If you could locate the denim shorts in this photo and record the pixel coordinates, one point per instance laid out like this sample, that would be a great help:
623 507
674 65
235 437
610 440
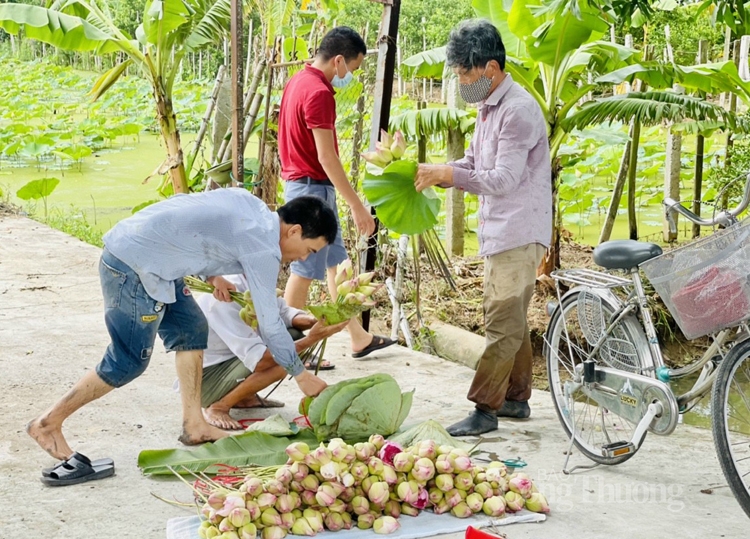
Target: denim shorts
314 267
133 319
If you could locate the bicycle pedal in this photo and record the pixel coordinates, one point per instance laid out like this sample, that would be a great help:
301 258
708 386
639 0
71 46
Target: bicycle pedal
617 449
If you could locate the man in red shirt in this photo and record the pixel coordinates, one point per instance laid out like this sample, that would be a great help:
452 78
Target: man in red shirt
310 165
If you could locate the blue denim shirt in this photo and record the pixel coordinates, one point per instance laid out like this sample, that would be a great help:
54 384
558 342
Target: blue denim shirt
220 232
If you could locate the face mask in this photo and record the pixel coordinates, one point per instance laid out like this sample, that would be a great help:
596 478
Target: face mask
339 82
477 90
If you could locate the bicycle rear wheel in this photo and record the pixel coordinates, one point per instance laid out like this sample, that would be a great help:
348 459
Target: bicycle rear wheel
580 319
730 408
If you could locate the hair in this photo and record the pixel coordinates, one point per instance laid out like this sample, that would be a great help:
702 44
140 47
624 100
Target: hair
474 43
344 41
315 217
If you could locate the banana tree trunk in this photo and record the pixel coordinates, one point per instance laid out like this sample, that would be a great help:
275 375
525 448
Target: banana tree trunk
168 125
551 260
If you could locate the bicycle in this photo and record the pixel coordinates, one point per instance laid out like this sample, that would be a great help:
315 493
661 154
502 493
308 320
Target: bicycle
606 368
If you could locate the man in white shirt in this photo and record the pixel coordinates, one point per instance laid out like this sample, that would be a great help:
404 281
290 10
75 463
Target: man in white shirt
237 364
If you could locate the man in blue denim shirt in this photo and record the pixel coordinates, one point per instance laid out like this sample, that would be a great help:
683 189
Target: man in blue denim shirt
142 266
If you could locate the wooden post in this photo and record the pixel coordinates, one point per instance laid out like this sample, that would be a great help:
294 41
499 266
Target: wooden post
672 178
238 164
699 145
455 209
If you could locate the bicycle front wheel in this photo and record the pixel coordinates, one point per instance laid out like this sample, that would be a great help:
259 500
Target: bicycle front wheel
730 407
574 328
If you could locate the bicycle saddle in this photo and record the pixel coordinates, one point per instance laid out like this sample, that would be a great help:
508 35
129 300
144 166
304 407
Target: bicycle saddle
624 254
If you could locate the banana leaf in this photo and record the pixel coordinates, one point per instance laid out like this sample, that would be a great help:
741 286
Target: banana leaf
335 313
248 449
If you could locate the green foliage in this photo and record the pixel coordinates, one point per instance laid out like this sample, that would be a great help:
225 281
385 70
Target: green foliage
731 176
74 222
36 189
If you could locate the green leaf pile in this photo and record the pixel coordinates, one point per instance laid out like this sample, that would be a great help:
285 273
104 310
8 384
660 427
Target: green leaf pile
356 409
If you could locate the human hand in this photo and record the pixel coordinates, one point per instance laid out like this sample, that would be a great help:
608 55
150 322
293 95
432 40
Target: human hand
431 175
303 321
310 384
363 220
222 287
320 331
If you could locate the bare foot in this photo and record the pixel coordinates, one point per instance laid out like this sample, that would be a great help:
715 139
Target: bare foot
219 417
200 434
256 402
49 437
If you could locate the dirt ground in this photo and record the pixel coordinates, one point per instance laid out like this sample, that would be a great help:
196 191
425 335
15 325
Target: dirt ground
51 332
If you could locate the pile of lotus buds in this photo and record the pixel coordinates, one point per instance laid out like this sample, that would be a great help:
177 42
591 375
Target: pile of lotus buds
369 485
388 149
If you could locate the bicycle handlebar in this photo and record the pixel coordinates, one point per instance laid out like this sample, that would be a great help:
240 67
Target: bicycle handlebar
723 218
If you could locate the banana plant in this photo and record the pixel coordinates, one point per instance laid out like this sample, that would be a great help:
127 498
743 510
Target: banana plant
170 29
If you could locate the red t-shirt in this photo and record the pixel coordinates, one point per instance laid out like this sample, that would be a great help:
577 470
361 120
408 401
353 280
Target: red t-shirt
307 104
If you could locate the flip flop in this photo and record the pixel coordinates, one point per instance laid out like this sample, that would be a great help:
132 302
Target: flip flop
312 365
378 343
97 462
77 469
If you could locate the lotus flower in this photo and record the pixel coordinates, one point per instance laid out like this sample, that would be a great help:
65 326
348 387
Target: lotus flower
284 503
308 497
273 532
444 482
520 485
217 497
378 493
330 471
389 451
209 531
347 287
460 463
348 480
232 501
423 470
493 475
248 531
475 501
287 520
494 506
463 481
453 497
443 465
334 522
325 495
409 510
375 466
302 527
514 501
239 516
461 510
398 146
484 489
364 279
389 475
442 507
270 517
229 535
422 498
226 525
385 525
314 518
435 495
408 492
275 487
297 451
377 440
338 506
377 158
347 518
385 138
392 508
322 455
368 482
403 462
299 471
427 449
253 508
365 522
445 450
284 475
537 503
360 505
359 471
344 271
310 483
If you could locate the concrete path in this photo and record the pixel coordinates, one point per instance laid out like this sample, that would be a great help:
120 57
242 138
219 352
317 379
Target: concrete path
51 332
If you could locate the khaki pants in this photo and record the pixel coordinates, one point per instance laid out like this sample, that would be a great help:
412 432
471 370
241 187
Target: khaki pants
504 370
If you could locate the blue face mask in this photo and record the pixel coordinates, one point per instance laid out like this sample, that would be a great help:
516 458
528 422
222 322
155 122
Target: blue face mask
339 82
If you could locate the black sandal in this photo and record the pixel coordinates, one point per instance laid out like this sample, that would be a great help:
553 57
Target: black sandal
77 469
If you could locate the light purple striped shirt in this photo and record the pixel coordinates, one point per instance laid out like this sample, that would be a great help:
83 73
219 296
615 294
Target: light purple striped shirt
508 165
220 232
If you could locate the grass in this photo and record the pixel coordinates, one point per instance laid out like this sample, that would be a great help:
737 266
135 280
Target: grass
72 221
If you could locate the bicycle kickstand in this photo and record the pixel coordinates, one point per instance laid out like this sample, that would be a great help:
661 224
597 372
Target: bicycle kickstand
569 452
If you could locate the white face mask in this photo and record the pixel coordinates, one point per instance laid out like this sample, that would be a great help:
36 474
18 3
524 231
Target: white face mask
340 82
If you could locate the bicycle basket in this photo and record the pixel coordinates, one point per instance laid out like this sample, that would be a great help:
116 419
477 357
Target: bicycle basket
705 284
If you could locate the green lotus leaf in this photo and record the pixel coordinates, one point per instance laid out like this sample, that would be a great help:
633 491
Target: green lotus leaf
399 206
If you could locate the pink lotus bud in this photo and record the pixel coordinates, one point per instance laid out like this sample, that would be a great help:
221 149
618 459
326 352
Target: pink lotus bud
460 463
520 485
392 508
254 486
389 475
442 507
484 490
330 471
443 465
345 288
445 449
537 503
365 522
360 505
398 146
338 447
377 440
334 521
296 486
302 527
444 482
389 451
299 471
385 525
423 470
427 449
463 481
295 499
322 455
479 477
514 501
408 492
378 493
435 495
270 517
284 475
347 519
377 158
409 510
217 497
475 501
338 488
496 465
347 480
248 531
348 495
273 532
344 271
232 501
359 470
226 525
461 510
308 497
297 451
422 498
314 518
338 506
385 138
403 462
367 291
368 482
375 466
284 503
494 506
453 497
364 451
275 487
239 516
351 299
287 520
325 495
310 483
365 279
209 532
253 508
266 500
493 474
